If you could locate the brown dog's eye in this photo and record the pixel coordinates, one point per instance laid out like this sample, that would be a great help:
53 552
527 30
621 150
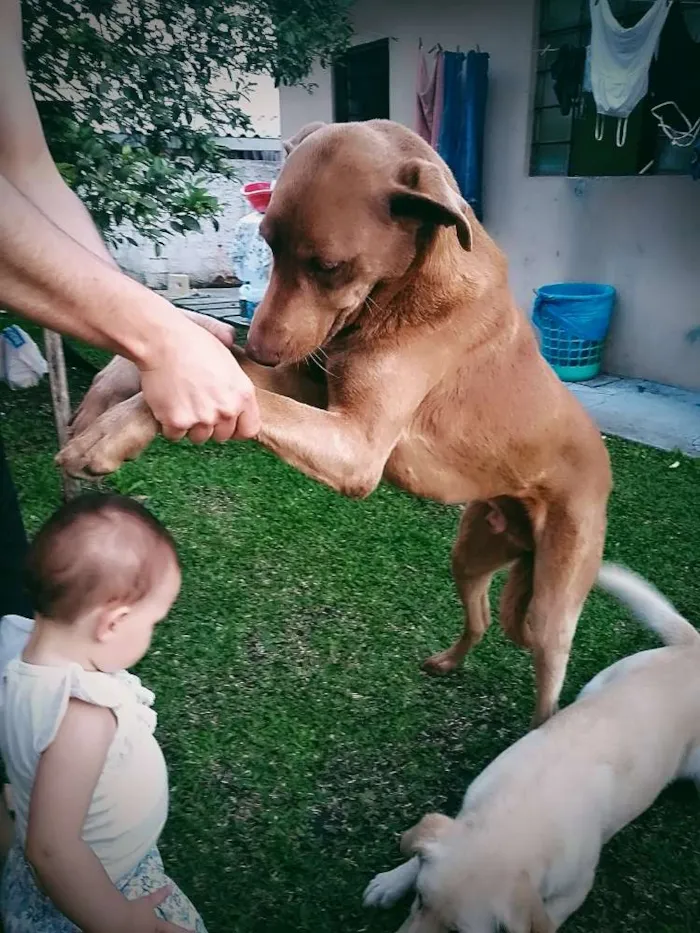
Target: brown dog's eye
318 265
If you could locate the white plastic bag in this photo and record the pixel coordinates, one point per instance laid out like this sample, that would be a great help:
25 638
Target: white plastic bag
21 362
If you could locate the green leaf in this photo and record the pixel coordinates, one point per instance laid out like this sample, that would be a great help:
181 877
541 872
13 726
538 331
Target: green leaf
156 71
191 223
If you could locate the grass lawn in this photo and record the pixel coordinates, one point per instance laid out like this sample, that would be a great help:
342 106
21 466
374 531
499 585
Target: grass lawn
301 736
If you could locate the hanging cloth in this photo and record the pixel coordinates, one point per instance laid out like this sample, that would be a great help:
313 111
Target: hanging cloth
675 81
620 60
567 77
461 142
429 97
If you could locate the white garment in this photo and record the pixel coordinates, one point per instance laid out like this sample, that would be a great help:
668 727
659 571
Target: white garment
620 58
130 804
14 635
251 258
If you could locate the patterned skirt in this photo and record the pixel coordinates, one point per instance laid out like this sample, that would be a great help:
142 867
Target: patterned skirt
25 909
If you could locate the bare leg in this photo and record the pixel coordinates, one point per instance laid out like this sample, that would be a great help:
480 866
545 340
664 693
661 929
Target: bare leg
7 824
479 551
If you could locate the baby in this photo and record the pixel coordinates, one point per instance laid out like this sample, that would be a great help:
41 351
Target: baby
89 782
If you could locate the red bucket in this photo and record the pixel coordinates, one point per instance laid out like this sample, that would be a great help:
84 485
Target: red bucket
257 194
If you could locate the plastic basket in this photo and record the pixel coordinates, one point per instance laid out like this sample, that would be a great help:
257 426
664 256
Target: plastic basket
573 320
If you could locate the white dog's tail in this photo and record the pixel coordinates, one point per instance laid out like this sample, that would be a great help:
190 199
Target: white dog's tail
648 605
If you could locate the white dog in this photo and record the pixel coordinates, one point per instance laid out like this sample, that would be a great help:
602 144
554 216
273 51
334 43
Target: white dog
521 855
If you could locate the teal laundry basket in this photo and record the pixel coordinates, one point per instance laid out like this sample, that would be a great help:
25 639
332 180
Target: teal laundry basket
573 319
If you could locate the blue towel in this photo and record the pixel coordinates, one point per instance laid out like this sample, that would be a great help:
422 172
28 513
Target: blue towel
461 142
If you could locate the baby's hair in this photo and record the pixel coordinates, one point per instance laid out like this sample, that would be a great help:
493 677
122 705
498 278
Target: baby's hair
96 550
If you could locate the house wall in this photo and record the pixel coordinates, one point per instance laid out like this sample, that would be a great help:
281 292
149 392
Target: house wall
640 234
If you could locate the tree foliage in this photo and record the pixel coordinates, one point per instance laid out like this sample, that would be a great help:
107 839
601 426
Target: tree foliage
133 94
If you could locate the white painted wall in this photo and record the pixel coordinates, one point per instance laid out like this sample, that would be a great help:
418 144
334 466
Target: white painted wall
641 235
203 256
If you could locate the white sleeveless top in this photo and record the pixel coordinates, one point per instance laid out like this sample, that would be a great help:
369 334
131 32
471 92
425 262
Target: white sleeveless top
130 804
620 58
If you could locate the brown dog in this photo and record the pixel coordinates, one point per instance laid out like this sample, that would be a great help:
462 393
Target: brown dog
386 286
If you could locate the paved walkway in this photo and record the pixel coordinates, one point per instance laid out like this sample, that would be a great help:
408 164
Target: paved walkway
647 412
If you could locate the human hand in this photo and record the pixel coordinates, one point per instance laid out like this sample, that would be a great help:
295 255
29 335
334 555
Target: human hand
223 332
194 386
140 915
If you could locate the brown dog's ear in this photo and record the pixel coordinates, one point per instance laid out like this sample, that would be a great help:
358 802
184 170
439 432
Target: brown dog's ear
416 840
424 193
290 144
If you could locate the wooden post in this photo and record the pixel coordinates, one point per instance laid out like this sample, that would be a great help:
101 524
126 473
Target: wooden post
60 399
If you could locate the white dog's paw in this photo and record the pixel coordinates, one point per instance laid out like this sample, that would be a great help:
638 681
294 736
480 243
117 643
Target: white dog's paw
386 888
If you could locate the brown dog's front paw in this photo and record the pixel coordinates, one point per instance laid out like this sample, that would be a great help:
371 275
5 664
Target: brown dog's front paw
90 455
92 406
118 381
120 434
440 664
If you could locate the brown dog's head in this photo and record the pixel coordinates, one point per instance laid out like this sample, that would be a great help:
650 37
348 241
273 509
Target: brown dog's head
351 208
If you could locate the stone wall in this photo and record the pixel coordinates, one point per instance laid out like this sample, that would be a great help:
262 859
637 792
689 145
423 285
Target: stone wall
203 256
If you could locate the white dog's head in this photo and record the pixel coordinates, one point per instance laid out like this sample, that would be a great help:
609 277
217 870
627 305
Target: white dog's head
465 884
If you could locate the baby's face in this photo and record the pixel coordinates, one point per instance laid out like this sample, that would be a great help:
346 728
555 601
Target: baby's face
133 631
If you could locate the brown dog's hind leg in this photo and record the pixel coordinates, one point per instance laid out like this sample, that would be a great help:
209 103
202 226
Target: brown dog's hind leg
120 433
484 544
568 552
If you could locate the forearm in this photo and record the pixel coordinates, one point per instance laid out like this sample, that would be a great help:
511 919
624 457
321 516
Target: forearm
75 881
48 278
42 184
25 160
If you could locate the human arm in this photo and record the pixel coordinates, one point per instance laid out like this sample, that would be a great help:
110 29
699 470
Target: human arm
69 872
55 270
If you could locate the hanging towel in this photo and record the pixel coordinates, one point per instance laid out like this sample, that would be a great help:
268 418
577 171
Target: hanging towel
567 76
475 89
429 91
675 75
620 58
461 142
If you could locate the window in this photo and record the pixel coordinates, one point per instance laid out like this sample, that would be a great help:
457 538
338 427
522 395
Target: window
361 83
566 145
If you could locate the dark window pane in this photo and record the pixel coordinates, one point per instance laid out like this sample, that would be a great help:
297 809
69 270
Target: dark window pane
361 83
560 14
553 126
550 160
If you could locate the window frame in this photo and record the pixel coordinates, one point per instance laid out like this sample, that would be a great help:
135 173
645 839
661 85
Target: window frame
548 41
339 82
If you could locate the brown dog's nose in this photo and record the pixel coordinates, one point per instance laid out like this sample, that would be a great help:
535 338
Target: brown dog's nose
257 352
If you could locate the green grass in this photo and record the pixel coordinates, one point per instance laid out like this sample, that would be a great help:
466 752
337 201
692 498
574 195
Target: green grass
300 733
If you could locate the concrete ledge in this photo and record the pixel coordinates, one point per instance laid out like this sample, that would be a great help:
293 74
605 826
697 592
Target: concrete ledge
658 415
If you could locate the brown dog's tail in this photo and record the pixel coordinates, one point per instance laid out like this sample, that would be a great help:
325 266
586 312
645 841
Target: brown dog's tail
648 605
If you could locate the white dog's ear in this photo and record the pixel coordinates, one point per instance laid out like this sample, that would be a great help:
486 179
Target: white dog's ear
418 839
289 145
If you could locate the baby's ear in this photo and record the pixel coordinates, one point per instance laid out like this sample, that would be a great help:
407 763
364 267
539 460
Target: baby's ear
108 620
418 839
